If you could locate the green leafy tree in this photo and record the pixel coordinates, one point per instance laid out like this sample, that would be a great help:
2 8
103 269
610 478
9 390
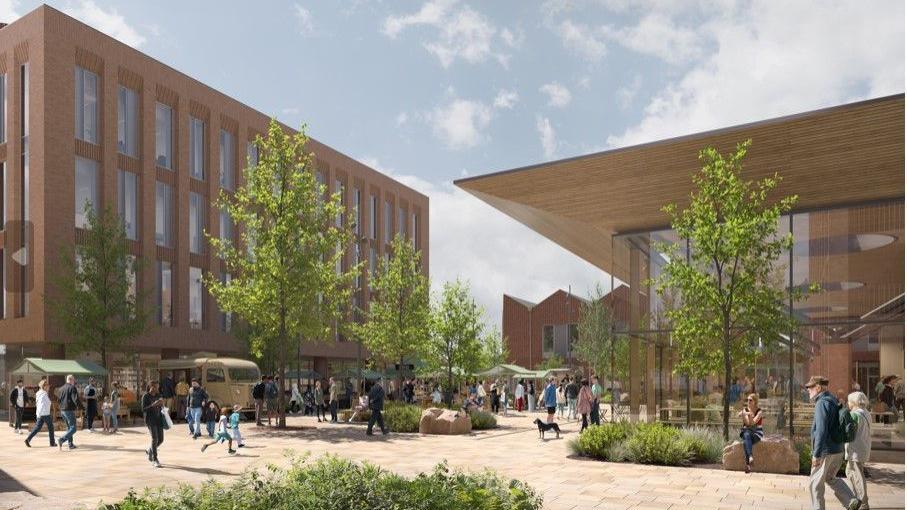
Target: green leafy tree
494 348
397 323
553 361
728 306
456 341
285 283
96 302
597 345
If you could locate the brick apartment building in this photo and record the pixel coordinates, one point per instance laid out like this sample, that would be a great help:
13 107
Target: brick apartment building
88 118
535 332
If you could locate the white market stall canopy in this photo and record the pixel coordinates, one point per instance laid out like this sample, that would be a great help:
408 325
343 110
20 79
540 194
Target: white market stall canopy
43 366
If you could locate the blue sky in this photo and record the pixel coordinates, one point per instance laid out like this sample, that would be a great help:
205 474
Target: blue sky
430 91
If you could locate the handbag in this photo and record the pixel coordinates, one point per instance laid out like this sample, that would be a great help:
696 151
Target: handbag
166 421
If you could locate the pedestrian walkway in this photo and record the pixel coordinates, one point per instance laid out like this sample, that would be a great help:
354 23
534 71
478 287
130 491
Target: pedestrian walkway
105 468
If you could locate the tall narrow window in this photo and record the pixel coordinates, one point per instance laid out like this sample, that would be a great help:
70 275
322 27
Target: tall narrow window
548 341
163 136
388 221
127 182
2 289
227 160
401 221
165 293
163 215
86 105
86 190
2 195
197 148
196 223
373 217
357 216
127 122
338 188
251 154
226 317
195 298
415 235
226 226
2 108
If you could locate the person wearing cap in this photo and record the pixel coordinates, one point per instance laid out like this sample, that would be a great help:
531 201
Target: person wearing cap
828 453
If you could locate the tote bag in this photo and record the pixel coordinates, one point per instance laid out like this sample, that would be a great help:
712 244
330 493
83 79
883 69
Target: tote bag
166 421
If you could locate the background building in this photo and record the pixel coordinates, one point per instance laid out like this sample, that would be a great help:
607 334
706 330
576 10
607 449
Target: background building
88 118
845 163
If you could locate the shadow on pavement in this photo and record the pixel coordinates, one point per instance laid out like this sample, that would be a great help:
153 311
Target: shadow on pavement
10 484
884 476
203 471
333 434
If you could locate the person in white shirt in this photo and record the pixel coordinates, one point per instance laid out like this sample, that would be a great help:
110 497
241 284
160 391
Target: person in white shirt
42 413
480 394
856 452
518 395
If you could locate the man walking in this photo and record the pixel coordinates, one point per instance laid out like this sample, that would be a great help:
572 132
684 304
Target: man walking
91 405
42 414
198 398
828 451
258 394
271 393
17 400
333 398
69 403
595 417
572 392
550 398
168 391
376 404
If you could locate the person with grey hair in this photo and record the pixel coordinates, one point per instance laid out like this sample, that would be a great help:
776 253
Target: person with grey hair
828 451
856 452
69 403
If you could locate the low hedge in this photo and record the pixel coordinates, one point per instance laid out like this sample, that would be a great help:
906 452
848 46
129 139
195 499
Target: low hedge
649 443
483 420
401 417
332 483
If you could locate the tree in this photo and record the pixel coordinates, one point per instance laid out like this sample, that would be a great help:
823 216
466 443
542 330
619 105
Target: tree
456 341
97 303
597 343
494 348
285 282
397 323
728 306
553 361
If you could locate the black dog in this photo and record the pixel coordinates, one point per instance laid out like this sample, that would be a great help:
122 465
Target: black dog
545 427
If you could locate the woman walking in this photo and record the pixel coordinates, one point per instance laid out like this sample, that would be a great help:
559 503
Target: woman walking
584 403
154 420
561 400
319 402
42 413
856 452
495 402
752 432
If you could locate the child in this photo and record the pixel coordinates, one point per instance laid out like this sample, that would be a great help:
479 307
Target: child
234 426
222 433
211 417
106 410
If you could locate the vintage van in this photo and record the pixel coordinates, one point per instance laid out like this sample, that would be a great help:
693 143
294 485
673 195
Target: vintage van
228 381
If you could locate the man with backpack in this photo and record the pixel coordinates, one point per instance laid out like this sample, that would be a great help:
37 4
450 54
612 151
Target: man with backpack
831 429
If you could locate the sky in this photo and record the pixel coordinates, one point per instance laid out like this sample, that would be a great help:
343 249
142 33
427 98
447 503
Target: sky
432 91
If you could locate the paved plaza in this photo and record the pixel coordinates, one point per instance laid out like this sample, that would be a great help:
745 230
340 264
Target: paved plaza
105 467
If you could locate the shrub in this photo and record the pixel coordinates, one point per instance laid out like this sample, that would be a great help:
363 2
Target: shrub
483 420
333 483
656 443
402 417
596 440
805 452
706 444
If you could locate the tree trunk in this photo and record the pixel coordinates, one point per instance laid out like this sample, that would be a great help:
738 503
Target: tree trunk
282 368
400 381
104 364
727 380
449 386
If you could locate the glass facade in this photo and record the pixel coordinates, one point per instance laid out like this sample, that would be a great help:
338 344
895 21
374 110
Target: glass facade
86 193
86 114
127 122
196 148
127 184
163 215
163 136
196 298
227 160
851 330
196 223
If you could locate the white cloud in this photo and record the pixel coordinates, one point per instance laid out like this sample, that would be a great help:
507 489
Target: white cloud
585 41
511 39
658 35
547 136
558 95
460 123
306 25
771 59
9 11
401 119
584 83
108 21
462 32
506 99
290 111
627 93
473 241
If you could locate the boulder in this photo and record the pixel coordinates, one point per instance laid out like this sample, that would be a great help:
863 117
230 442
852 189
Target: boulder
444 421
771 455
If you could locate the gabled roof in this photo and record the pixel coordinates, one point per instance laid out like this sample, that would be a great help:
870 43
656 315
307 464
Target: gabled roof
59 367
528 304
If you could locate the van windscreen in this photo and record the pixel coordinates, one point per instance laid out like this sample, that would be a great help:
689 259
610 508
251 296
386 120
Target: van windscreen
243 374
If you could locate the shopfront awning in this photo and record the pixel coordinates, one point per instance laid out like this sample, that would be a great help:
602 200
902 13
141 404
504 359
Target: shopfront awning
59 367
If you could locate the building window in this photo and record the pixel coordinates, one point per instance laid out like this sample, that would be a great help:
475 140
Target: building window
357 254
196 148
357 217
252 154
196 223
548 341
163 215
2 195
132 288
227 163
388 221
2 108
572 337
195 298
401 221
226 226
86 189
86 105
163 136
373 217
372 262
2 289
164 293
415 234
127 122
127 184
226 317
